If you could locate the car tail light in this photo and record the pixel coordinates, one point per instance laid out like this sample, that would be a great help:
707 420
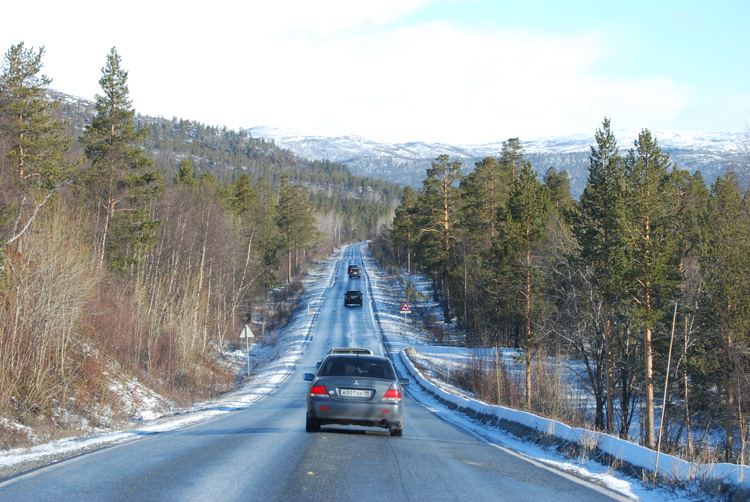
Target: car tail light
318 390
392 394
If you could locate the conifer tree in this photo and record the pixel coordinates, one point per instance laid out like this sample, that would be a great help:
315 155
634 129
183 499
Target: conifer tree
511 159
650 261
120 175
295 220
524 224
726 320
692 202
37 141
186 175
404 225
437 206
484 191
598 227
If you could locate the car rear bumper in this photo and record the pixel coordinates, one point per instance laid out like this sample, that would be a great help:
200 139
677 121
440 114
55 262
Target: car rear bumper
382 414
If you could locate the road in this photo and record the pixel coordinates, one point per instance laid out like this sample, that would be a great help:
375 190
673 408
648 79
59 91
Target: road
264 453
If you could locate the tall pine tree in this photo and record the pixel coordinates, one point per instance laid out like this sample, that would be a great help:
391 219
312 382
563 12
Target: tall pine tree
650 260
524 224
598 228
296 222
120 177
437 205
726 316
37 140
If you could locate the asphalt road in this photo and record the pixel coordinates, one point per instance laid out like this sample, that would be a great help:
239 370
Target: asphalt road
264 453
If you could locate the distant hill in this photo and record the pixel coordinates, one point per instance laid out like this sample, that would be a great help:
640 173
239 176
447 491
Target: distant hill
226 154
406 163
363 203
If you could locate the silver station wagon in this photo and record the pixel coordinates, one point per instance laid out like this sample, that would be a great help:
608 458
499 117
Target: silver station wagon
356 389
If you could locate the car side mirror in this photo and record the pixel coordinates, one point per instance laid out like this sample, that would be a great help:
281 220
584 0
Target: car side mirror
404 382
309 377
317 365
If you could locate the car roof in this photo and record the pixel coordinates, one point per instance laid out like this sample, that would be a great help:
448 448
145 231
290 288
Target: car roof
355 291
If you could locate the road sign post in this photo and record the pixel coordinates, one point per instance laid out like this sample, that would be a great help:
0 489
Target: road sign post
405 309
247 334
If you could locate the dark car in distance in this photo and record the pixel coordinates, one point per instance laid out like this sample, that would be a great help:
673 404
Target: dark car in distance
354 272
353 297
355 389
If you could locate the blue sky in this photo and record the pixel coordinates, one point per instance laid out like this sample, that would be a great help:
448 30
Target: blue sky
457 71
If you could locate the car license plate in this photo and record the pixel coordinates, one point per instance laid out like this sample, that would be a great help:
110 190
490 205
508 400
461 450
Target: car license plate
361 393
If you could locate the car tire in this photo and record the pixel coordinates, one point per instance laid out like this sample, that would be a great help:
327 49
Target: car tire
396 431
311 425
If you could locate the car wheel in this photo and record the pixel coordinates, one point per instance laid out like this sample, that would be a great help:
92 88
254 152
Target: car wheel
396 431
312 425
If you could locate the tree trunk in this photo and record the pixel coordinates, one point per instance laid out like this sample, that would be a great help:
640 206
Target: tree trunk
729 452
608 367
649 418
686 394
528 328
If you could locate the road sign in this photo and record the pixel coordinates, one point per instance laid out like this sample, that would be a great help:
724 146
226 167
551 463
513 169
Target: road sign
405 308
246 333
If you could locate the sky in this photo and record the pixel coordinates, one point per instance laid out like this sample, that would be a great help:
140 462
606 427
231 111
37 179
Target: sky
453 71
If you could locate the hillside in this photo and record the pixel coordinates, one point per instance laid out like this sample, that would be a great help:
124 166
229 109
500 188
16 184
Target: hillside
406 163
226 154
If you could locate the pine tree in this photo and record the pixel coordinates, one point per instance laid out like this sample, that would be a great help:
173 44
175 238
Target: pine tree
186 175
437 205
119 167
650 259
598 227
404 225
295 220
524 224
726 316
692 202
37 141
484 192
511 159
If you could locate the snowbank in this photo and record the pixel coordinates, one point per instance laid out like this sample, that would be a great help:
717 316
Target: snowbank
719 477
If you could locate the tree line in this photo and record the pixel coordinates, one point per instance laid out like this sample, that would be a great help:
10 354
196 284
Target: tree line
145 244
643 280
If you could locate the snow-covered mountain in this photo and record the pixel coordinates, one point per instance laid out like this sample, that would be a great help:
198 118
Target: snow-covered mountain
406 163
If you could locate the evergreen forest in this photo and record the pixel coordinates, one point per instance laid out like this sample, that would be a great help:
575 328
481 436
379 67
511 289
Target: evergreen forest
642 283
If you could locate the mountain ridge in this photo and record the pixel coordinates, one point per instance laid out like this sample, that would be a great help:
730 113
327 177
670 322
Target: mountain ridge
406 162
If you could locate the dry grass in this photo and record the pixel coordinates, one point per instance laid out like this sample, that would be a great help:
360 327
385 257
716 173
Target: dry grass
554 396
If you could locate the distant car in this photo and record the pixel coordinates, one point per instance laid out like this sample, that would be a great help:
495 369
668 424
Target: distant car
355 389
354 272
353 297
350 350
346 350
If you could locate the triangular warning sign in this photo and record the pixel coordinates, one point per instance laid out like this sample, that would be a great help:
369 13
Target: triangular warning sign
405 309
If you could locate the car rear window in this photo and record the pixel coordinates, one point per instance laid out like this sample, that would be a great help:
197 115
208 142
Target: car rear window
357 367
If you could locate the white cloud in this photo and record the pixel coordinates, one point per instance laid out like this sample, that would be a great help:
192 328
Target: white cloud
352 65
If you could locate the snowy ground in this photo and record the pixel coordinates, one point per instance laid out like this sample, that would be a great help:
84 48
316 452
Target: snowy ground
273 363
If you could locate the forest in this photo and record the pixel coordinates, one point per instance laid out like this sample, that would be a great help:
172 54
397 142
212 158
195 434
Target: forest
644 282
134 245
